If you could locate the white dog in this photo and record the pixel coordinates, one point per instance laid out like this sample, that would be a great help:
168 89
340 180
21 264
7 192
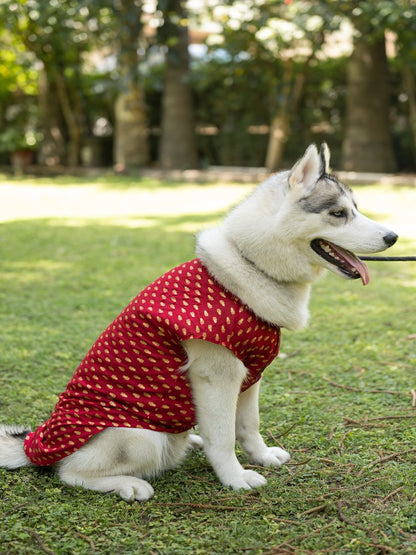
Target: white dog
191 347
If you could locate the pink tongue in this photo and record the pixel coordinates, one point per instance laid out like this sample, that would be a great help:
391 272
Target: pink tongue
355 262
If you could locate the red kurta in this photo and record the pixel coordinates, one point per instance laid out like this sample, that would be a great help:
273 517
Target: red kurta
132 376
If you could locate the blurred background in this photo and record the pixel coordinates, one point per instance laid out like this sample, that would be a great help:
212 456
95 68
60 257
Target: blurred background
178 84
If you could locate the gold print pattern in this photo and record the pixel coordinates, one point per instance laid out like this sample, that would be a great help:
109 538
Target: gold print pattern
138 366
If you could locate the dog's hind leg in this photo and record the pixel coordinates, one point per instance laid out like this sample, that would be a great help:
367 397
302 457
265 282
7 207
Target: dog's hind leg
195 441
247 431
128 488
118 459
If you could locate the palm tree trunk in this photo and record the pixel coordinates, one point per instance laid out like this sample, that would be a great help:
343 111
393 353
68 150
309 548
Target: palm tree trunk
131 148
178 140
131 145
367 144
52 147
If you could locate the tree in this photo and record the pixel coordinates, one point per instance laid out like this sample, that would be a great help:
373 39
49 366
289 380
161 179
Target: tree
52 149
295 33
178 143
131 147
368 144
401 19
59 34
285 37
18 96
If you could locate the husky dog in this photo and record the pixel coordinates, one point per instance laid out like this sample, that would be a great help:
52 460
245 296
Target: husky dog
191 347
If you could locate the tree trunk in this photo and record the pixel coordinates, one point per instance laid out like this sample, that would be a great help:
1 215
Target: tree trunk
52 148
292 90
131 147
178 141
279 132
410 88
367 144
130 134
72 119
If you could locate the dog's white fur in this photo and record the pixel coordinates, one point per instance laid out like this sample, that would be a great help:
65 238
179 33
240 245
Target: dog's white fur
261 253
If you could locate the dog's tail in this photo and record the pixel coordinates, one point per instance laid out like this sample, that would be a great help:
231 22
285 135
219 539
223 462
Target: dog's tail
12 454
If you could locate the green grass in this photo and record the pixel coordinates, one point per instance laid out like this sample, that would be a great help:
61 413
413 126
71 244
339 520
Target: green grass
340 400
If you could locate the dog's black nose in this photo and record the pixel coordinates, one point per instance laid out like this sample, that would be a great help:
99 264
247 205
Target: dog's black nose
390 238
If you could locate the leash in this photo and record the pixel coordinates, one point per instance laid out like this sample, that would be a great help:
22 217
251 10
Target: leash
389 258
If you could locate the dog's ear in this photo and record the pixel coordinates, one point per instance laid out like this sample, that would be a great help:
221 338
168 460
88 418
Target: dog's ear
306 171
325 156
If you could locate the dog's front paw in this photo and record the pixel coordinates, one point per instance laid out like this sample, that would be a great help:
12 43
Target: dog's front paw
247 479
271 456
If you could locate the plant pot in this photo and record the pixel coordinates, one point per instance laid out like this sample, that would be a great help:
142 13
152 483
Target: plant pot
21 159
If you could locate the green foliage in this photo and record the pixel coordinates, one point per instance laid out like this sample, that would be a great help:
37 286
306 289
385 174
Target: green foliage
238 85
375 18
56 31
395 15
18 93
17 71
256 42
340 400
13 139
322 109
55 36
227 93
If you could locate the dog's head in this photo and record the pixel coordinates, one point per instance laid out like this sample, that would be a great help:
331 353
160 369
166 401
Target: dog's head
300 222
341 229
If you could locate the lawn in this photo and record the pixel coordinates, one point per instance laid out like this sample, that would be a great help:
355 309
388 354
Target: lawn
340 398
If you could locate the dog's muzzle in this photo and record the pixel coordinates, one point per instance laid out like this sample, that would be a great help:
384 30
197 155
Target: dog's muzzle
345 261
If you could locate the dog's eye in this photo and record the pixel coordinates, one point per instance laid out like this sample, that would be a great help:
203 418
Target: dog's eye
338 213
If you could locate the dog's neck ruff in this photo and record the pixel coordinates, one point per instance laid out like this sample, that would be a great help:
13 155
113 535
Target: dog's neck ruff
255 267
283 304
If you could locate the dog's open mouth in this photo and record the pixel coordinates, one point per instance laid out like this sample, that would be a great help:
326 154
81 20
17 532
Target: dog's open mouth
344 260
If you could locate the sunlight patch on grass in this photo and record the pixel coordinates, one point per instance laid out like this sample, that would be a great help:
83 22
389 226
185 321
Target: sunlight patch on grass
132 202
191 224
31 200
128 222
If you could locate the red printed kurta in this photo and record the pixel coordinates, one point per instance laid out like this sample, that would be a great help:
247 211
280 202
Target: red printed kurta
133 374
